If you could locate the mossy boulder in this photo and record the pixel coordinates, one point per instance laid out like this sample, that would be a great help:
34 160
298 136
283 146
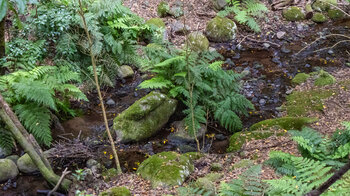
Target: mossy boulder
300 78
335 14
125 71
109 174
221 29
166 169
198 42
293 13
193 155
238 139
286 123
324 78
8 169
163 9
300 103
208 182
319 17
323 5
157 22
144 118
26 165
116 191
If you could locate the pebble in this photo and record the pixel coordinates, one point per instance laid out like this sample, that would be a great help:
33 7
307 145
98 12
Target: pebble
330 52
307 65
262 101
237 56
266 45
280 34
110 102
284 49
276 60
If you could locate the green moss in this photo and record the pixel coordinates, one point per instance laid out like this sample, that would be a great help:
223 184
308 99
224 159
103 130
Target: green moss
116 191
109 174
166 169
158 22
193 155
323 5
300 103
286 123
319 17
208 182
300 78
238 139
221 29
335 14
324 78
163 9
308 8
216 167
198 42
293 14
243 164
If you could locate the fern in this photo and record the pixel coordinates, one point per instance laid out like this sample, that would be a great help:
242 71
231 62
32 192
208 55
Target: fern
6 139
190 191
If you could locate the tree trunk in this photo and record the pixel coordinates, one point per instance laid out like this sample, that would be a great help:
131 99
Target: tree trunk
26 142
2 43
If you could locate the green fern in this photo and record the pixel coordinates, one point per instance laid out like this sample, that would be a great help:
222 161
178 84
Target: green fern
6 139
190 191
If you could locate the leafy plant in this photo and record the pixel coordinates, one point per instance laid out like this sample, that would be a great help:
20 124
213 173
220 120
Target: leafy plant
213 89
190 191
80 174
35 94
245 12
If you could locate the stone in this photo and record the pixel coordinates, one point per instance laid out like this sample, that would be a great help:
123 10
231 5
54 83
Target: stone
8 170
208 182
90 163
319 18
266 45
198 42
110 102
284 49
176 11
335 14
163 9
157 22
181 135
4 152
293 13
166 169
179 28
280 34
26 165
125 71
221 29
14 158
220 137
219 4
116 191
144 118
323 5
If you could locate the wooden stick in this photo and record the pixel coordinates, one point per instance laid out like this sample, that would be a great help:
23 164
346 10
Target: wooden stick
64 173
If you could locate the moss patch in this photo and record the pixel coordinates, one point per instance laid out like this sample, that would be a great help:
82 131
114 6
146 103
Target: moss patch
109 174
324 78
163 9
158 22
293 14
300 103
193 155
284 123
335 14
323 5
166 169
243 164
198 42
300 78
208 182
319 18
221 29
116 191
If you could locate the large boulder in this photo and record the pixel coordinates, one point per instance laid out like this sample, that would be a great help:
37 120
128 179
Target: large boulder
221 29
144 118
198 42
166 169
8 169
293 14
26 165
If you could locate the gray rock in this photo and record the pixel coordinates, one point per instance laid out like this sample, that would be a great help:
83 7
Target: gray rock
14 158
284 49
26 165
91 162
266 45
179 28
262 101
176 11
330 52
181 135
8 169
219 4
4 152
220 137
211 49
125 71
110 102
280 34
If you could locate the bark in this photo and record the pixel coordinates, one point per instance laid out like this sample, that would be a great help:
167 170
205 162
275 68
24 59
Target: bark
6 114
2 43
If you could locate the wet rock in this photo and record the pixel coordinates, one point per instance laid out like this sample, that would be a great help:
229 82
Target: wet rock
125 71
198 42
266 45
229 62
276 60
219 4
163 9
293 13
110 102
26 165
166 169
300 27
280 34
240 47
8 169
307 65
220 137
179 28
211 49
144 118
221 29
14 158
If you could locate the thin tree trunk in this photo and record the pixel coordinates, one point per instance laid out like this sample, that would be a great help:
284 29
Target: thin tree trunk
2 43
25 141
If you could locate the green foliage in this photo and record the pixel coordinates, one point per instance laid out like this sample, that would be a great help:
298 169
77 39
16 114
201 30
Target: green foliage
34 94
213 89
248 183
191 191
17 6
6 139
246 12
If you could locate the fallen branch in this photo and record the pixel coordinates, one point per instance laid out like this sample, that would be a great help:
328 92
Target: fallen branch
64 173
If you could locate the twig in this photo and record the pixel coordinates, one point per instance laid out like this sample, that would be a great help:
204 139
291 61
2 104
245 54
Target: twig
332 46
263 41
64 173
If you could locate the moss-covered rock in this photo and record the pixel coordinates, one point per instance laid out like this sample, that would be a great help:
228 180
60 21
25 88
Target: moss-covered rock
144 118
198 42
221 29
163 9
193 155
300 103
176 11
14 158
116 191
109 174
308 8
324 78
293 13
125 71
208 182
216 167
323 5
26 165
300 78
8 169
157 22
286 123
166 169
238 139
319 17
335 14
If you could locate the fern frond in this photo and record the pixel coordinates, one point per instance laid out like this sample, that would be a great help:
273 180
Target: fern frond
6 139
157 82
